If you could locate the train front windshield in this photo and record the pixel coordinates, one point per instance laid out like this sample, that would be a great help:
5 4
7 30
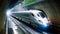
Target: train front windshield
40 14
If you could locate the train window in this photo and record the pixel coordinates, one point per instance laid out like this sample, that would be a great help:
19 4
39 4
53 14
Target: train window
27 15
38 15
42 14
32 14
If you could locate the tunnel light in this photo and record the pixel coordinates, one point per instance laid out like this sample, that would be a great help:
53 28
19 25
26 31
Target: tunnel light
8 12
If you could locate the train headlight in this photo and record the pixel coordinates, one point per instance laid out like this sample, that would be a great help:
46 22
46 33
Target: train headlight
45 24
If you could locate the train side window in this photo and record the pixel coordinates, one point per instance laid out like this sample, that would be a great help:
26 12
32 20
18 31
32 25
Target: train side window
38 15
32 14
26 15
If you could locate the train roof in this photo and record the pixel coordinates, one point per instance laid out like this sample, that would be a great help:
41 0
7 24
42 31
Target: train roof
28 11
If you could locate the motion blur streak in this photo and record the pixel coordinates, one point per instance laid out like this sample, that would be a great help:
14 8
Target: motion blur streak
14 30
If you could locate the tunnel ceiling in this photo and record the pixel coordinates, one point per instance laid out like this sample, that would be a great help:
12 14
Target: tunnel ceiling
29 2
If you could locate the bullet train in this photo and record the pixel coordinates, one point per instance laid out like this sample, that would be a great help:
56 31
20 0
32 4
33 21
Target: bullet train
36 18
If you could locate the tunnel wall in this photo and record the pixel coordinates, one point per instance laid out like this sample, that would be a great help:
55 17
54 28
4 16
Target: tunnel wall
2 13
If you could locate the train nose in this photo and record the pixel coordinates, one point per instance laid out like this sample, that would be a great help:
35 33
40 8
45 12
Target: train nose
42 23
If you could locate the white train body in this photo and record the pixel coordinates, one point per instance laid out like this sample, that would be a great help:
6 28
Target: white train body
33 17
